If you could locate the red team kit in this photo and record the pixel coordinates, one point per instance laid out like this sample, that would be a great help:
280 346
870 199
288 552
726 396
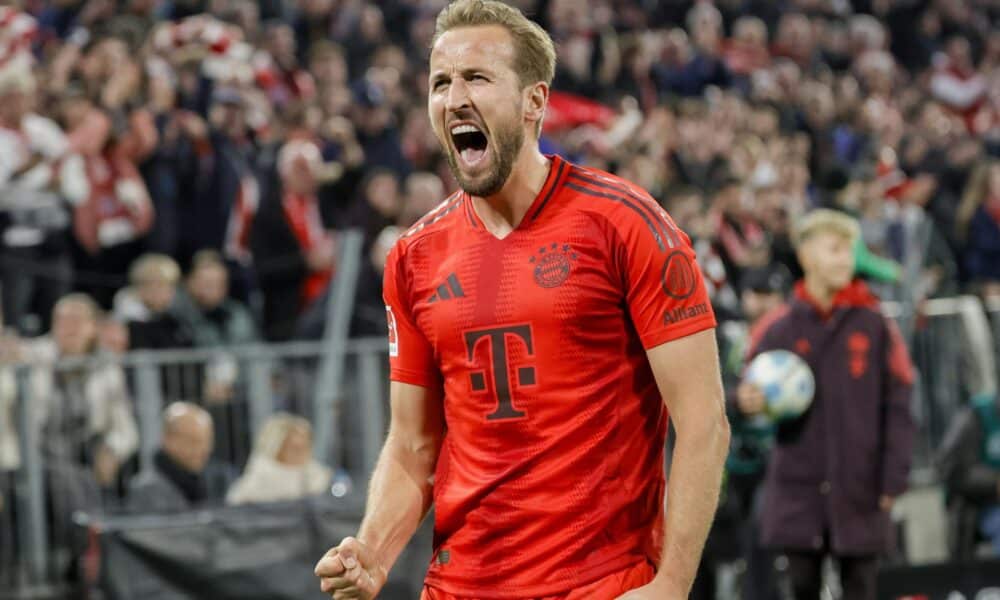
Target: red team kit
551 475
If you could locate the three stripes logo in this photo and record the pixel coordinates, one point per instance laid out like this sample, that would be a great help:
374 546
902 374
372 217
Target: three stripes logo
448 290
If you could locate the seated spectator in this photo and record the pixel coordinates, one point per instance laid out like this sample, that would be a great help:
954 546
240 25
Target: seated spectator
282 466
204 305
146 304
969 463
180 477
94 394
83 411
215 320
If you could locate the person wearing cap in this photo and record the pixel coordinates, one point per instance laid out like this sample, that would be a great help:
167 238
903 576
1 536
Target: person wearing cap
835 471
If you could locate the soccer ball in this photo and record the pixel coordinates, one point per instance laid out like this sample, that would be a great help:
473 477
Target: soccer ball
786 381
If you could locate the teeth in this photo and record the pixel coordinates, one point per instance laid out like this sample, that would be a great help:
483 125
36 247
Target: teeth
458 129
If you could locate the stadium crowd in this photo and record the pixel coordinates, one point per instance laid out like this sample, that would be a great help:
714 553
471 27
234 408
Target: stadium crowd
176 173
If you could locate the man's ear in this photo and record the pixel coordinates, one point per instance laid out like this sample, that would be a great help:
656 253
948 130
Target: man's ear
536 99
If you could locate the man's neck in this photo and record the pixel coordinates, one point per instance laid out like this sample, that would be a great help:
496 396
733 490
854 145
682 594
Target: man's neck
502 212
821 294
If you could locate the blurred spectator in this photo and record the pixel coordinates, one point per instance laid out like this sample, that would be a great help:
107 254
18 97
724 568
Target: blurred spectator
978 223
110 224
39 175
956 83
829 489
969 462
697 63
217 321
216 205
203 304
179 478
378 132
146 305
282 466
85 407
82 408
295 255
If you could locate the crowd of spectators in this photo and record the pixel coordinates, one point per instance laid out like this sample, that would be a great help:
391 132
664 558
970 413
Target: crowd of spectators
258 130
178 173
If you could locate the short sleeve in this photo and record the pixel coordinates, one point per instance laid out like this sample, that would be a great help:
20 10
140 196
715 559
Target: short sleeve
664 288
411 358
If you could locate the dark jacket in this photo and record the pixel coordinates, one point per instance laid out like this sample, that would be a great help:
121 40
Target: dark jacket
830 466
971 483
281 267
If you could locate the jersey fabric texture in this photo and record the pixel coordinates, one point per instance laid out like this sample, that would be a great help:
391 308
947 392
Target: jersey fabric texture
605 588
551 473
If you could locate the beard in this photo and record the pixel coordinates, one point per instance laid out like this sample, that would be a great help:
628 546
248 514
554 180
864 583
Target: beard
505 146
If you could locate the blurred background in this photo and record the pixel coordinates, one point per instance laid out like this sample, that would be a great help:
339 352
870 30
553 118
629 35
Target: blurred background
197 198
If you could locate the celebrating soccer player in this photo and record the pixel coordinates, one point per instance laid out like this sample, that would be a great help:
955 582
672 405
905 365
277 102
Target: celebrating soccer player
543 323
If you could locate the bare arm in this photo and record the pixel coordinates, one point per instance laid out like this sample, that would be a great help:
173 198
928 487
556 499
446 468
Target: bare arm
687 373
399 495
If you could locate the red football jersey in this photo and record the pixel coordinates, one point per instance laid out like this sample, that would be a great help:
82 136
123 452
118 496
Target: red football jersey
551 473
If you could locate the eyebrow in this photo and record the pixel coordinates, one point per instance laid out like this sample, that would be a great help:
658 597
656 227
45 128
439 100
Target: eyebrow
437 75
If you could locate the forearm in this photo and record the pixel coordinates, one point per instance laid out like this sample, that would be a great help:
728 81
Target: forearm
692 499
399 497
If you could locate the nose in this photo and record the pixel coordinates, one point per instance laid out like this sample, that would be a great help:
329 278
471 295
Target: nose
458 95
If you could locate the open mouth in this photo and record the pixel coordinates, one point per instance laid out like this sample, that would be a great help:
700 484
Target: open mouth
470 143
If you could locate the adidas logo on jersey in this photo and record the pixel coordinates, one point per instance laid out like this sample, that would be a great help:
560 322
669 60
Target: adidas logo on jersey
448 290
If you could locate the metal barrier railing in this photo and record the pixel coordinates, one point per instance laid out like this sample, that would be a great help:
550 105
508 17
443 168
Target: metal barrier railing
36 546
955 347
341 387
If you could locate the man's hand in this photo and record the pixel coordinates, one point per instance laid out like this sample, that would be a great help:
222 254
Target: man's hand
351 570
750 399
886 503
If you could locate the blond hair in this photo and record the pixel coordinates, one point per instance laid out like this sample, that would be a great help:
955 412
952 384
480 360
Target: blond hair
80 299
826 220
154 267
272 435
534 52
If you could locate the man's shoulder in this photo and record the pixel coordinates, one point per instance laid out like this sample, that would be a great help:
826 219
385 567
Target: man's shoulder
441 218
623 205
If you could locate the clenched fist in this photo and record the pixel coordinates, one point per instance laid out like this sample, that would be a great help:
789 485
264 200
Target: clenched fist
351 571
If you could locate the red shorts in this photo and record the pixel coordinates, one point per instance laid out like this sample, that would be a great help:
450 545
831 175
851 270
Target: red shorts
606 588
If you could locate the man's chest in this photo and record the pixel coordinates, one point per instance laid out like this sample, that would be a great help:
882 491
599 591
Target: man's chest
551 287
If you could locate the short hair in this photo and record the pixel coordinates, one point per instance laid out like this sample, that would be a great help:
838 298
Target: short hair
206 258
152 267
534 51
826 220
83 300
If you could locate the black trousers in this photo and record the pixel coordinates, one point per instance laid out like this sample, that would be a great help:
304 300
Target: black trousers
857 575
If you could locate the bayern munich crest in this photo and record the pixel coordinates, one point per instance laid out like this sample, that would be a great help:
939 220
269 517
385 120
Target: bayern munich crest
553 264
